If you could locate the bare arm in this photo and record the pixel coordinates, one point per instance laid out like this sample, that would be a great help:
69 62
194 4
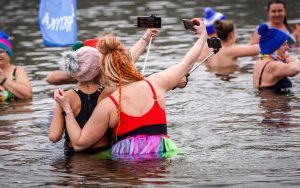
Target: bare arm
243 50
93 130
21 87
254 39
140 46
291 68
168 79
57 126
59 77
296 33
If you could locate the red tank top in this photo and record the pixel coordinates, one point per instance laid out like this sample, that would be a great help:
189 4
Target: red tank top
155 117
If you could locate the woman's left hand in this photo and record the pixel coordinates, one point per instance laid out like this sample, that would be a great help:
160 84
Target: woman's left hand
151 32
62 99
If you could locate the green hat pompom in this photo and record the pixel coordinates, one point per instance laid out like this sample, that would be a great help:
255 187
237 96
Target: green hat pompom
77 45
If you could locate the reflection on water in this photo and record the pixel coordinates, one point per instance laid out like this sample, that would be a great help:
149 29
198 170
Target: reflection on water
110 173
224 73
276 108
230 136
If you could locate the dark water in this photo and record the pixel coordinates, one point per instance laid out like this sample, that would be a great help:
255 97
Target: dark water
231 137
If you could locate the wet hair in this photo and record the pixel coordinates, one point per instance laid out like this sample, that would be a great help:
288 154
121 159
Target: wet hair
117 66
224 28
284 6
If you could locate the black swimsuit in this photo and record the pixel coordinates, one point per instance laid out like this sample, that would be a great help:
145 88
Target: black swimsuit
88 104
281 85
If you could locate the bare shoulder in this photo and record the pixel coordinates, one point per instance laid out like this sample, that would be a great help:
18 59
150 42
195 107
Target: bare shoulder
71 94
106 93
105 107
20 70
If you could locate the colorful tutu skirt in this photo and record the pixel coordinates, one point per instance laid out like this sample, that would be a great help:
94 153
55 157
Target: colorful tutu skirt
141 147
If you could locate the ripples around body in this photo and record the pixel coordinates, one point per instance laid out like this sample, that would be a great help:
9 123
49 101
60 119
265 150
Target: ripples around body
229 135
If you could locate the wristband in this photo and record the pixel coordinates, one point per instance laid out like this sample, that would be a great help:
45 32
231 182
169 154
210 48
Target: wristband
3 81
65 113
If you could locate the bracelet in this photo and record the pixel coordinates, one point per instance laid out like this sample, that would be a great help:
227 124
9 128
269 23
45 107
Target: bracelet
65 113
3 81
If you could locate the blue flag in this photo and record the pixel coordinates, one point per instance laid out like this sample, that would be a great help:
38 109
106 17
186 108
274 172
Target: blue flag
57 19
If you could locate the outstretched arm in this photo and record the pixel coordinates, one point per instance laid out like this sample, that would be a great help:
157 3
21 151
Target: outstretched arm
169 78
59 77
140 46
243 50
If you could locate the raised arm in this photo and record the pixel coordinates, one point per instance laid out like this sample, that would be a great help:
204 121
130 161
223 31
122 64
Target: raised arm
254 39
169 78
139 47
20 87
296 33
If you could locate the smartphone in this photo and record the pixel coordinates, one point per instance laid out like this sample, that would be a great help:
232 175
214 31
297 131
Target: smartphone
149 21
188 25
214 43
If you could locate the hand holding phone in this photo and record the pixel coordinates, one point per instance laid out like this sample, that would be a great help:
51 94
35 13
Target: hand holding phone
149 21
188 25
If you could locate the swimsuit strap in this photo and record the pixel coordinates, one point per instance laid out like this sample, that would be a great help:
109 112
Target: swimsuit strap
263 69
101 88
152 89
76 89
114 100
14 73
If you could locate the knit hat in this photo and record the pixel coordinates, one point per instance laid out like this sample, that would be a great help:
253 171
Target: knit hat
210 16
5 43
270 39
82 64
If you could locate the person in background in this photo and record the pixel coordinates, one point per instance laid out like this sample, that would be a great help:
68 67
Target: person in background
14 82
210 17
274 66
277 14
136 110
59 77
230 51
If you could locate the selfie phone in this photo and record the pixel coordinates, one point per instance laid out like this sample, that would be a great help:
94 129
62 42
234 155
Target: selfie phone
149 21
188 25
214 43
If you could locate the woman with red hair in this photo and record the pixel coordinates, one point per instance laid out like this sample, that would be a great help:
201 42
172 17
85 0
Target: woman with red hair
136 110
